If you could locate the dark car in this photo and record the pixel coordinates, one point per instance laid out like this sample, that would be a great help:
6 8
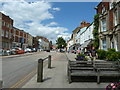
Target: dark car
47 50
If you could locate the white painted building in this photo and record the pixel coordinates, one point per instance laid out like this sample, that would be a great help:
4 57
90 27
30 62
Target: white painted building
43 44
69 44
84 36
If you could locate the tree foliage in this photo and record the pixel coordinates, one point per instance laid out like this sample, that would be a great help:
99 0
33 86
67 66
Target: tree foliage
95 31
61 43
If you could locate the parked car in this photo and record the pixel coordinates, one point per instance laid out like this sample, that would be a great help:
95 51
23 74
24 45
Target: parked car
27 50
0 52
18 50
6 52
48 50
34 49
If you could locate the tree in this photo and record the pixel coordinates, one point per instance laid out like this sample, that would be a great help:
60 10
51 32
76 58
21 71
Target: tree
61 43
95 32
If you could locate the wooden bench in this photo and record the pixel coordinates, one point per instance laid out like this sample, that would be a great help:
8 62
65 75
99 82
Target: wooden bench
107 69
80 68
93 68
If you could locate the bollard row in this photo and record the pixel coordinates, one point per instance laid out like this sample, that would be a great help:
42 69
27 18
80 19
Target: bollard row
40 68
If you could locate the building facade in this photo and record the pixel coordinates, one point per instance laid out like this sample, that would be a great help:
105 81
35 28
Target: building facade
80 35
30 40
109 25
44 43
86 36
20 38
6 29
69 44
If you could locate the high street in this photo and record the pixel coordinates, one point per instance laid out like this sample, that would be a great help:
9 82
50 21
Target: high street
16 68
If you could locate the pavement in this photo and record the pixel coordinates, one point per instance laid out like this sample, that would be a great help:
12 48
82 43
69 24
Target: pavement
19 55
56 77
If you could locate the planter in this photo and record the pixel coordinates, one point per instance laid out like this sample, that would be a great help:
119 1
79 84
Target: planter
80 58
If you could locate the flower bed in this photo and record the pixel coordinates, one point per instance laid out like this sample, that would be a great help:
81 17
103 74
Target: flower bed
113 86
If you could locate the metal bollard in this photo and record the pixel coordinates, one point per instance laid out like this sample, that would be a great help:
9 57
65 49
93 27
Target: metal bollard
40 71
49 61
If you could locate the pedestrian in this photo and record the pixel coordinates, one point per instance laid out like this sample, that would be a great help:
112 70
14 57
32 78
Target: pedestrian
78 51
68 50
93 54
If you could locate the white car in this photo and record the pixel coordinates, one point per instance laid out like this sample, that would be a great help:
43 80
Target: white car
27 50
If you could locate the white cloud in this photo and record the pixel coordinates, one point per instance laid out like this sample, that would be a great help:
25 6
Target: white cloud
52 24
56 9
28 17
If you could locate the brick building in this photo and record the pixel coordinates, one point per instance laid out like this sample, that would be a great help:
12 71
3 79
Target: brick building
43 43
30 41
6 28
20 38
109 25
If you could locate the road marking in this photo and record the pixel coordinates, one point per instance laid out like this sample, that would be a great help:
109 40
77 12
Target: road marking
25 78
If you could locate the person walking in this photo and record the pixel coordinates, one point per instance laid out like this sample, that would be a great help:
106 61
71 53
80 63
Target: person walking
93 54
78 51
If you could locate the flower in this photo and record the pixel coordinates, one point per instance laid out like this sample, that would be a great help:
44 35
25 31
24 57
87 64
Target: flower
112 84
114 87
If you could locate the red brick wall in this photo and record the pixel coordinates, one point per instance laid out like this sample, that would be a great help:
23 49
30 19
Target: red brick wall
110 13
111 19
100 7
21 33
8 21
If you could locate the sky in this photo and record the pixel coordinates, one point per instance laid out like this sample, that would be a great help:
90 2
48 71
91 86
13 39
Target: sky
49 19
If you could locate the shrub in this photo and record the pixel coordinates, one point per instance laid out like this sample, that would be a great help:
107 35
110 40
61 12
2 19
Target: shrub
101 54
112 55
118 55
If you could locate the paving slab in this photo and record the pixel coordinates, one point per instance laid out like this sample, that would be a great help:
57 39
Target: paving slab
57 76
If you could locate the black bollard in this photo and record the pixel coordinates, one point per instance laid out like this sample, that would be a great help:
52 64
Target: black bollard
40 71
49 61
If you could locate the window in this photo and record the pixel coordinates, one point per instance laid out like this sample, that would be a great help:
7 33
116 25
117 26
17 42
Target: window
115 18
2 33
103 10
10 26
103 24
10 35
104 44
112 44
111 5
3 23
6 33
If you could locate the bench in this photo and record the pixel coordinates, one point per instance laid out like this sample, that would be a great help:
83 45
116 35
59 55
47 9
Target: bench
93 68
107 69
80 68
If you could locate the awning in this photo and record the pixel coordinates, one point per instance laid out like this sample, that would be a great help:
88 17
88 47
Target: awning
86 44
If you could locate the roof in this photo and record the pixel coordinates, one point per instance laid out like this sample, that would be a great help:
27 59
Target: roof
86 44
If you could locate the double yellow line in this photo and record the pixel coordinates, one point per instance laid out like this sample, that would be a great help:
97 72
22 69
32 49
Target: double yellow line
23 80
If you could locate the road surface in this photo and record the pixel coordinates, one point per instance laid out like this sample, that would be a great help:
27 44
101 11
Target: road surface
18 70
